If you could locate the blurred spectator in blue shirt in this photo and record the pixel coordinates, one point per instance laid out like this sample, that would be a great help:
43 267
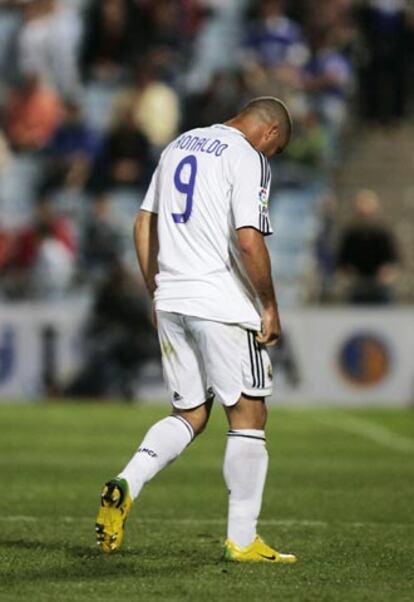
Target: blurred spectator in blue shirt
71 152
327 81
274 40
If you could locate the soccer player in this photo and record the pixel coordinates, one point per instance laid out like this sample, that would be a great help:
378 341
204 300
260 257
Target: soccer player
200 244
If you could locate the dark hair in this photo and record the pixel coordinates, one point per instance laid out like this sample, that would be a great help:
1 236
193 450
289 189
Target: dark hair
270 109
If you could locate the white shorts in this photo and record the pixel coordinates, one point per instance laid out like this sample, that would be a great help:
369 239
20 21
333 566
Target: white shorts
202 359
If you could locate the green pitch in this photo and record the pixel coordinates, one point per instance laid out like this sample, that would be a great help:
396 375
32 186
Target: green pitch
340 495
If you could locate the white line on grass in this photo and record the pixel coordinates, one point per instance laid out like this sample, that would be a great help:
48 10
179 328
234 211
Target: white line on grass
373 432
209 521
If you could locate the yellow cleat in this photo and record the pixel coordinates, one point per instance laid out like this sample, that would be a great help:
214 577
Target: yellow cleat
257 551
113 511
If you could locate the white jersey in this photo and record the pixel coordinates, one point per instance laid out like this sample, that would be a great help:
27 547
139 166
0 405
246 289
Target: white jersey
209 182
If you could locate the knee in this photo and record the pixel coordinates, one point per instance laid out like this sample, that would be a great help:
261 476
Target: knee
199 427
248 414
198 423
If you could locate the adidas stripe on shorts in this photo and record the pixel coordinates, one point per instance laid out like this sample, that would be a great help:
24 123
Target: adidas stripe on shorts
202 357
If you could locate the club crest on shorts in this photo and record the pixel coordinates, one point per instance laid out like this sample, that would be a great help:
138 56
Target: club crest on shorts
263 199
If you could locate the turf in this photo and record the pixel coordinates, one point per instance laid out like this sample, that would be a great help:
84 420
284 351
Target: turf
340 495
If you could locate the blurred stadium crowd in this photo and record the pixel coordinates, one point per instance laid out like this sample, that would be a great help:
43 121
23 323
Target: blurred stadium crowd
91 91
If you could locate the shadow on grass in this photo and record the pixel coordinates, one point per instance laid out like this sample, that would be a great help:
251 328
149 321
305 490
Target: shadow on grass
87 563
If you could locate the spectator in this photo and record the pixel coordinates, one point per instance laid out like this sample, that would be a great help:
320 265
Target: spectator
164 24
258 81
156 106
327 81
71 152
102 240
114 32
384 76
53 267
276 41
32 115
36 253
48 43
333 15
119 339
27 247
125 159
367 253
309 146
215 104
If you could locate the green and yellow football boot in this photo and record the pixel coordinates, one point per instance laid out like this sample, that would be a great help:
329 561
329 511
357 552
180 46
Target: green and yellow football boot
113 511
257 551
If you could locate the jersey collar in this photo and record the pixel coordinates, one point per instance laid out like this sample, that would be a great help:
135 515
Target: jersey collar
229 127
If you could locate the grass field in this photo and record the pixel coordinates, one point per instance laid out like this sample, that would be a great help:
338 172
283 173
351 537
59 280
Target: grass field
340 495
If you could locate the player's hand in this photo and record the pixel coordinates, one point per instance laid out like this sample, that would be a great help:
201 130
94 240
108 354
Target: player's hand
271 329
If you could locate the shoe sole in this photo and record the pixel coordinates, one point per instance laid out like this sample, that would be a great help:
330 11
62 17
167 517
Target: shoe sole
110 522
258 560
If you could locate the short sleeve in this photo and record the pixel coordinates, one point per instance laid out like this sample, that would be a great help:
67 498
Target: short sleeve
251 178
151 199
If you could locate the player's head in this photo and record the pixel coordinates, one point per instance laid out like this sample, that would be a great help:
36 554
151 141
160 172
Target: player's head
267 124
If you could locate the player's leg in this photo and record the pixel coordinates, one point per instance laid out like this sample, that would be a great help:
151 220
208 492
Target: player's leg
245 467
162 444
166 439
239 371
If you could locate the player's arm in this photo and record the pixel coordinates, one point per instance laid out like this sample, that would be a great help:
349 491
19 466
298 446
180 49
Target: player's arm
146 234
250 176
256 261
146 246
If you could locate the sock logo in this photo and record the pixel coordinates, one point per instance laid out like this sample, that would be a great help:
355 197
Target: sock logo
145 450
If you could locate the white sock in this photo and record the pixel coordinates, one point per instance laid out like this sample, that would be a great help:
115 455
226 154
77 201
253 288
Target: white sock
245 468
164 442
